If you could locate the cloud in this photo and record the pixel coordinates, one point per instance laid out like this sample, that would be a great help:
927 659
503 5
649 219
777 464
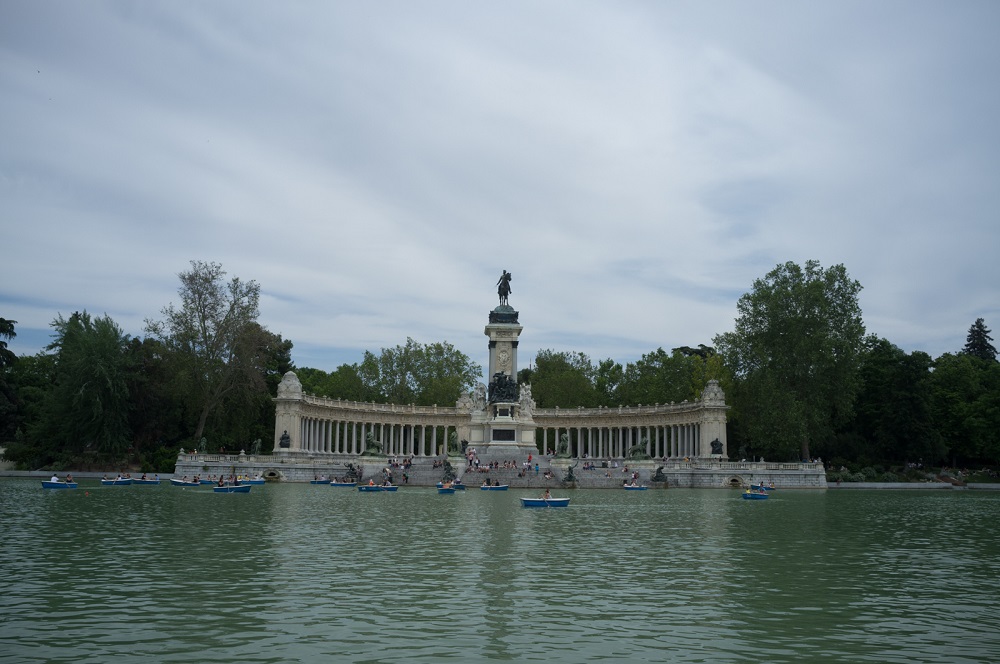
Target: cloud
374 167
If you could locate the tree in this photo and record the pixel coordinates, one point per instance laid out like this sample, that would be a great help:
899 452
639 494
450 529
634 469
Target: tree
966 404
420 374
7 333
977 343
894 417
216 343
87 409
794 356
8 400
30 380
563 379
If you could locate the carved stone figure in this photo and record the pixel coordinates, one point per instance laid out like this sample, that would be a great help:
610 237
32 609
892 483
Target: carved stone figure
479 397
286 441
527 403
503 286
658 476
716 446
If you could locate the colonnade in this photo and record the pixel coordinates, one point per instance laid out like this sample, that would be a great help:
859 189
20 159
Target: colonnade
320 435
657 441
318 425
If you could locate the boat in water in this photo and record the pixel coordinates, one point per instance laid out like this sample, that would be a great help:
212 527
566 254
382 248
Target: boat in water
49 484
118 481
177 482
544 502
232 488
446 489
754 495
634 487
494 487
146 481
348 484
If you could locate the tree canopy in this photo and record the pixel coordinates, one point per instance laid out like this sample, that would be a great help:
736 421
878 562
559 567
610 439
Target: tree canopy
794 356
421 374
214 339
977 343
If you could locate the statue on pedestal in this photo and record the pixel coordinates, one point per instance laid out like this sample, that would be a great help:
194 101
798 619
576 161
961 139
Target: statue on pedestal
503 286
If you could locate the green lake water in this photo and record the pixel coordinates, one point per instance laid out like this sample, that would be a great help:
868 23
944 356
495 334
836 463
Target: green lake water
303 573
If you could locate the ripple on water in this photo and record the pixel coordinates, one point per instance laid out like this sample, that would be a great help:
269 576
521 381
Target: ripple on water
303 573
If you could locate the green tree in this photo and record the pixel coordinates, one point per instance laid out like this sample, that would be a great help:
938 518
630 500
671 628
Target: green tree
894 415
7 333
8 400
794 356
659 377
608 378
87 410
415 373
30 379
217 346
977 343
564 380
966 405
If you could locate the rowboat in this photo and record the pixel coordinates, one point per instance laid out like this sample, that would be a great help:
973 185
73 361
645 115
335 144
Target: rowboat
49 484
761 487
145 481
121 481
628 487
335 483
369 487
457 485
176 482
254 482
319 481
388 487
446 489
211 482
754 495
229 488
544 502
494 487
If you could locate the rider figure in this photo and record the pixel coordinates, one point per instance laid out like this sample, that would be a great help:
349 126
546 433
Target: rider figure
503 286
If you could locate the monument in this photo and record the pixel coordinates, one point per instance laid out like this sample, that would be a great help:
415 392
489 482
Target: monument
501 425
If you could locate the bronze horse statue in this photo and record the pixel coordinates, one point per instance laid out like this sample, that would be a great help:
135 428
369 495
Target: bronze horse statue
503 286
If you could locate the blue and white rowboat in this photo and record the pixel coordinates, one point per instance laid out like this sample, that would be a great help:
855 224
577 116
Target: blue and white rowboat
544 502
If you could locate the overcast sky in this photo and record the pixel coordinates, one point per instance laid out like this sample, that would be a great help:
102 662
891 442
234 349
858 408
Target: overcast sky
375 166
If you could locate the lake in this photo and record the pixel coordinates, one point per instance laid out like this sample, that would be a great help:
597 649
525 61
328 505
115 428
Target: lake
297 572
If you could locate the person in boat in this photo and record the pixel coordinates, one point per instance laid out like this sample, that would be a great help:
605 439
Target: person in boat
69 478
547 495
55 478
222 482
371 482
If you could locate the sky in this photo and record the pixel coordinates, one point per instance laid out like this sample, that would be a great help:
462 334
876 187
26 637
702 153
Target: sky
375 166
